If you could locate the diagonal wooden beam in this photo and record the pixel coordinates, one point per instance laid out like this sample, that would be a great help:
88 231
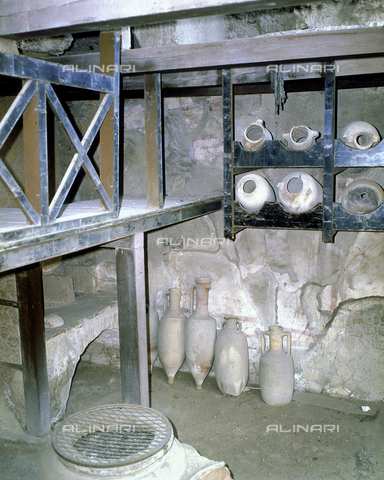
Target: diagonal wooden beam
18 107
16 110
18 193
86 162
77 161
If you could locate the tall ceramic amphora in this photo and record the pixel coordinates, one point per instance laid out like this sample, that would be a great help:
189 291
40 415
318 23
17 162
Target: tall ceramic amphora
276 368
171 337
153 336
231 358
201 333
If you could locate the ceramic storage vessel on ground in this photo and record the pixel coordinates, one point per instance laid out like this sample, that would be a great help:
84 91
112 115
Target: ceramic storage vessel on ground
276 368
153 336
231 358
201 333
171 338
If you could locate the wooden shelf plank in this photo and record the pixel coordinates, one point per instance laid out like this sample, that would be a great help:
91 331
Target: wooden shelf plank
270 49
21 244
273 154
274 215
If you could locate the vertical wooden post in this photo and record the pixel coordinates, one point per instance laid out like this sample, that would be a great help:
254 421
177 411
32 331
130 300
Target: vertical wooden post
109 131
228 157
329 137
29 286
130 269
154 140
36 153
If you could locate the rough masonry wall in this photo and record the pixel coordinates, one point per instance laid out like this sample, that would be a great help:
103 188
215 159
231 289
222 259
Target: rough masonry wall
330 296
319 292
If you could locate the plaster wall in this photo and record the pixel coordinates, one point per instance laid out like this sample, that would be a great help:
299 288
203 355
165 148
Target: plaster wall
329 296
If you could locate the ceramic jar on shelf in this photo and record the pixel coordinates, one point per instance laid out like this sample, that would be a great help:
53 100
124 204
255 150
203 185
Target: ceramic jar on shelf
255 135
231 358
299 192
362 196
360 135
252 191
200 333
276 368
171 337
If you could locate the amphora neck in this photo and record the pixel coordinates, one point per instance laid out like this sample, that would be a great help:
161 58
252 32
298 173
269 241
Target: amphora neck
174 298
275 334
202 288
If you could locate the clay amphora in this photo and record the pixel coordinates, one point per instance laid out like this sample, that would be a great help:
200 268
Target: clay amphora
300 137
153 335
360 135
252 191
171 338
231 358
255 135
276 368
299 192
201 333
362 196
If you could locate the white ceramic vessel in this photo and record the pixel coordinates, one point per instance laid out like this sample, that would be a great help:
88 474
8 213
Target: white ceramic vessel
255 135
171 337
276 370
362 196
300 137
231 358
299 192
360 135
153 336
252 191
201 333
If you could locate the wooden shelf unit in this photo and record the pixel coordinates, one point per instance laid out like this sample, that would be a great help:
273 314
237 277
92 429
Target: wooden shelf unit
328 154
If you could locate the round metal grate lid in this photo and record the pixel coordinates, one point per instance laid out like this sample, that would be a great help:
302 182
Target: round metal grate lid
112 436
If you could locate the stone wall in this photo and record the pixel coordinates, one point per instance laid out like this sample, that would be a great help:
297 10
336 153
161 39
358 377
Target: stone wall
329 296
265 276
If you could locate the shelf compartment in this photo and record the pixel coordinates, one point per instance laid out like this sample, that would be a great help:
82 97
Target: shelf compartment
274 215
353 222
350 157
273 154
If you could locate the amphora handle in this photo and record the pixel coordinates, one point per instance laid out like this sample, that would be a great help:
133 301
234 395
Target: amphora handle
263 342
238 324
192 298
165 301
288 335
284 334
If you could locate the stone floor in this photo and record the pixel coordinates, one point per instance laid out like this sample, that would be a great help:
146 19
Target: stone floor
241 431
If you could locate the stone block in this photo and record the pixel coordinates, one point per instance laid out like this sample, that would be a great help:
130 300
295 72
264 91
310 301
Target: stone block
11 386
58 290
9 335
8 287
350 358
84 278
64 352
106 275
